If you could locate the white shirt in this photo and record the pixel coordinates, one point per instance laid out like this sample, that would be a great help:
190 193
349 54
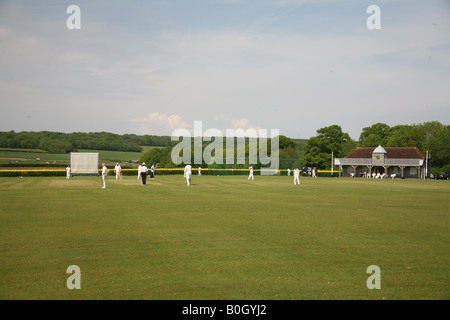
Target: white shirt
188 170
296 172
68 169
143 169
104 171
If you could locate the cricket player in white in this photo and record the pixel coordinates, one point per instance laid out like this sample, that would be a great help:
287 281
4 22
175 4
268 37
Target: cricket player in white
104 173
251 173
188 174
152 171
199 171
296 176
68 172
143 172
288 172
117 170
314 173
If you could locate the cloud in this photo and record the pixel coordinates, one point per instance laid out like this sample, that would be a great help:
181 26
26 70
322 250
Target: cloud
240 124
242 127
239 127
160 124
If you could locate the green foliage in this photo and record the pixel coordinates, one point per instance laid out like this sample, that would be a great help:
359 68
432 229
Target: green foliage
374 135
34 165
158 155
55 145
406 136
65 142
431 136
317 150
32 173
289 153
435 170
286 143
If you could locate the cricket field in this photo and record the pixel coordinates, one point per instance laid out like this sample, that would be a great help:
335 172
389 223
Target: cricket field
224 238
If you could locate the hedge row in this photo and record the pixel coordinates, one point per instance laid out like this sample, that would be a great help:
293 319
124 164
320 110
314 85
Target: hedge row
34 165
32 173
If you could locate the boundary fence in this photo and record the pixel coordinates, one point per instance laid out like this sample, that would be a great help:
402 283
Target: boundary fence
159 171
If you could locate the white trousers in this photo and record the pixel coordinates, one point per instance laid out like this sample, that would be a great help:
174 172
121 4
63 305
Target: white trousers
188 178
296 180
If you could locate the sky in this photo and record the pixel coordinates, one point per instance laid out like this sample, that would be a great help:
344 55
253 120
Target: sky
152 67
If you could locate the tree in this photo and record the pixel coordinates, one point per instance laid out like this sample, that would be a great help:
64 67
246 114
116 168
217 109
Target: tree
159 155
56 145
436 142
374 135
317 150
406 136
286 143
428 136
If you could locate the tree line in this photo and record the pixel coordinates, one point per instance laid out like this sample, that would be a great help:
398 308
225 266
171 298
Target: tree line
289 154
316 151
433 137
58 142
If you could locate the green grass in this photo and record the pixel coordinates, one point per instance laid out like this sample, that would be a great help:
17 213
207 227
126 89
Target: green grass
30 156
224 238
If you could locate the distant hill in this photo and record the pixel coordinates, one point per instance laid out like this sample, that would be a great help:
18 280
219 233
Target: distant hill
58 142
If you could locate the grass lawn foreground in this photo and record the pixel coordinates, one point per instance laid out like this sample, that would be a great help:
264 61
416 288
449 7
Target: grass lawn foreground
224 237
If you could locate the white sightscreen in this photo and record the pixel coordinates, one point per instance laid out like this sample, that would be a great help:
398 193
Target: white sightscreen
84 162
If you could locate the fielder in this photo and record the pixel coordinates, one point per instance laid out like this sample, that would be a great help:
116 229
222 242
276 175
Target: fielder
139 171
117 171
188 173
289 172
199 171
296 176
152 171
104 174
68 172
251 173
